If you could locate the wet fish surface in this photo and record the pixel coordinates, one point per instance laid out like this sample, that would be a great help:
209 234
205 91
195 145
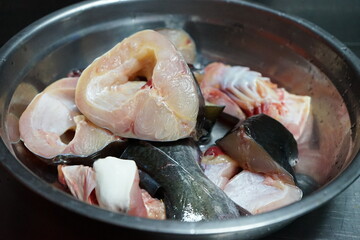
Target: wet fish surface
188 194
112 95
262 144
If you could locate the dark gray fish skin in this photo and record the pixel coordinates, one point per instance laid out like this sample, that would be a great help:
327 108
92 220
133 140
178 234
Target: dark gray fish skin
274 138
200 120
211 114
188 194
112 149
258 140
150 185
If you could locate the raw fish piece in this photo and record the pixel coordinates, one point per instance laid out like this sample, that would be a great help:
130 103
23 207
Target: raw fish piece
255 94
155 208
258 193
188 194
117 186
218 167
261 144
80 180
164 108
216 96
52 125
88 138
182 41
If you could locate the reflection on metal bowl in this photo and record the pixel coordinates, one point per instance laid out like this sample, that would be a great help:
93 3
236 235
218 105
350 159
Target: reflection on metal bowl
294 53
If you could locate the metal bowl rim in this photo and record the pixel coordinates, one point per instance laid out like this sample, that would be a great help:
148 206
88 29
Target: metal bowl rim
39 186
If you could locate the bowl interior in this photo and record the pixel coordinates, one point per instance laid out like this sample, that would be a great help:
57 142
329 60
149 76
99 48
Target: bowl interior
293 53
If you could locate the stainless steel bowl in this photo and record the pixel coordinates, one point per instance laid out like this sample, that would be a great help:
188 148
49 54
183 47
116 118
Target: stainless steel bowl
296 54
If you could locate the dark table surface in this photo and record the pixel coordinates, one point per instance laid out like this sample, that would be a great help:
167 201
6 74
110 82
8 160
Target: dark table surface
24 214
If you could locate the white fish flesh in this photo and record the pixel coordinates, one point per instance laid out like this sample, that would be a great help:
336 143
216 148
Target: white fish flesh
163 108
49 118
218 167
117 186
259 193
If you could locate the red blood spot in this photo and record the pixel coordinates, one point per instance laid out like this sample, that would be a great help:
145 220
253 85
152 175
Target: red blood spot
214 95
214 151
265 107
268 108
256 110
75 73
147 84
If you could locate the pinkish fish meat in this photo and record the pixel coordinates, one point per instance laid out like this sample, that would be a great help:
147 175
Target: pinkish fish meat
155 208
218 167
259 193
52 125
218 97
113 184
256 94
163 108
263 145
80 180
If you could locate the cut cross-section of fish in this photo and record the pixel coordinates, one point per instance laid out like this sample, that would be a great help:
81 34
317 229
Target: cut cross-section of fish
155 208
261 144
112 93
218 167
216 96
259 193
80 180
52 125
255 94
117 186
